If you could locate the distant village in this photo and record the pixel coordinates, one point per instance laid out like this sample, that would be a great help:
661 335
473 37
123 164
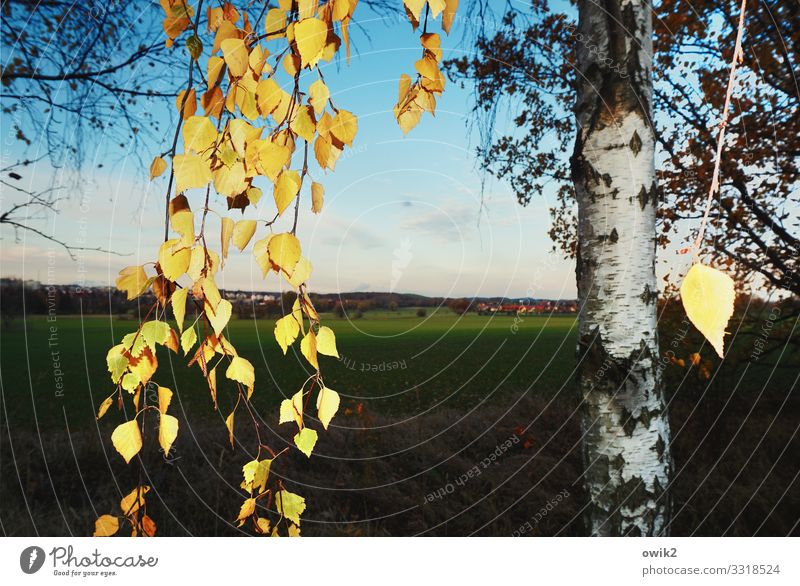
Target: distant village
30 297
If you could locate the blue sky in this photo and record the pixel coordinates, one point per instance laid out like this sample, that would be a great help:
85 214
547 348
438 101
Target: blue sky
401 213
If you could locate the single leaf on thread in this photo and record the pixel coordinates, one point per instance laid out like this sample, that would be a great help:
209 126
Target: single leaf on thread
290 505
708 296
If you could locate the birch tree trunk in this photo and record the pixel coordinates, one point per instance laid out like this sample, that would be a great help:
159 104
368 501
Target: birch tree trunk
624 418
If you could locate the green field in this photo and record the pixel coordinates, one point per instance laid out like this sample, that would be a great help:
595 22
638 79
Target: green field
393 363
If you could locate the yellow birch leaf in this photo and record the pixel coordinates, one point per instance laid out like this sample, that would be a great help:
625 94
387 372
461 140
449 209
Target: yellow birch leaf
414 7
164 399
326 342
230 181
436 7
174 259
182 222
188 340
117 362
248 508
708 297
286 330
203 262
191 171
241 371
189 106
199 134
229 425
215 65
134 500
275 23
261 253
309 349
293 530
344 127
292 409
225 236
284 251
327 405
303 124
104 406
318 94
106 526
290 505
157 167
268 96
310 35
317 197
305 440
273 158
236 56
167 432
262 525
178 302
449 14
286 189
242 233
127 440
133 281
220 316
301 273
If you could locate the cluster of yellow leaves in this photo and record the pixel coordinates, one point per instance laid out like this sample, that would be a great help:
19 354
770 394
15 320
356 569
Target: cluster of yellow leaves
133 509
240 126
419 96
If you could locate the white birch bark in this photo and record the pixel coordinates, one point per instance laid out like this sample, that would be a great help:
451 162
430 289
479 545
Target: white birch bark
624 418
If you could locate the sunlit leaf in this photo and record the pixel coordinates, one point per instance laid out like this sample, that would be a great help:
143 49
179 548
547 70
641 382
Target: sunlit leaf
127 439
708 296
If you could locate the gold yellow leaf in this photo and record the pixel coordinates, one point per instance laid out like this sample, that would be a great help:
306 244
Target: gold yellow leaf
273 158
134 500
436 7
230 181
327 405
157 167
167 432
344 127
189 105
117 362
236 56
229 425
414 7
268 96
133 281
225 236
182 222
284 251
104 406
286 330
310 35
199 134
326 342
191 171
292 409
241 371
215 65
708 296
188 339
164 399
242 233
178 302
286 189
275 23
301 273
449 14
290 505
248 508
303 124
255 475
106 526
309 349
261 254
317 197
305 440
262 525
127 440
318 94
203 262
220 316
